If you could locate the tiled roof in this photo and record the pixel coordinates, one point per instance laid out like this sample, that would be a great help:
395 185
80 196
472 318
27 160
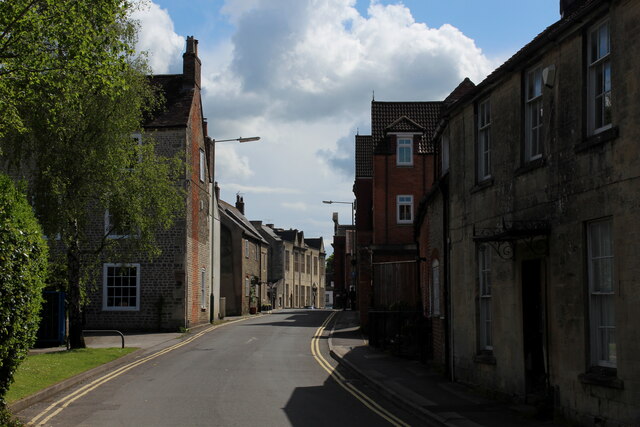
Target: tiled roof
178 97
236 216
291 235
424 114
364 156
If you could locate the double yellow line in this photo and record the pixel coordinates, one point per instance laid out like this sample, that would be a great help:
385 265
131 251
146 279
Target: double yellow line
341 380
56 407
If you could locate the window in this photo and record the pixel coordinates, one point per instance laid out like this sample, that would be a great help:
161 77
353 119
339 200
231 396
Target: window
599 78
484 141
287 260
121 287
308 264
203 288
444 155
247 286
533 115
246 249
602 295
435 288
484 281
257 253
405 209
202 165
315 266
136 155
113 230
404 151
296 262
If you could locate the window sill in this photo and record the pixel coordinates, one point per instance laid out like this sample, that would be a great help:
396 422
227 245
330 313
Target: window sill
485 358
603 377
488 182
530 165
598 139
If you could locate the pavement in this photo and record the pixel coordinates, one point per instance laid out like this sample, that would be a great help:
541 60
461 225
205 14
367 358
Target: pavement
411 385
418 388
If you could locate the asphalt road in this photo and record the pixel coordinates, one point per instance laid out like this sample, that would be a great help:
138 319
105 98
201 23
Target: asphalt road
263 371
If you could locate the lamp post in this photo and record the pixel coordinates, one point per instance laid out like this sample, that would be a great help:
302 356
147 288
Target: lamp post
330 202
214 231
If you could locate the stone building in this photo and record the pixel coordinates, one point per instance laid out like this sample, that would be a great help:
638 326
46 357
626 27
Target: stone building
173 290
315 270
243 261
535 234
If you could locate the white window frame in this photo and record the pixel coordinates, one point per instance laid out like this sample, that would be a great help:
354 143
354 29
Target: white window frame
435 288
602 325
203 288
534 129
247 287
137 137
246 248
484 296
202 165
483 161
105 288
287 260
404 200
404 144
599 74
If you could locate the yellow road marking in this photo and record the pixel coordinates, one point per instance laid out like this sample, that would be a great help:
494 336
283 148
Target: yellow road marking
340 379
82 391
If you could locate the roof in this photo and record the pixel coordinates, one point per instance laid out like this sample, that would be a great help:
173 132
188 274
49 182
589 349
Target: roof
240 220
364 156
533 48
266 231
425 115
178 97
461 90
291 235
315 243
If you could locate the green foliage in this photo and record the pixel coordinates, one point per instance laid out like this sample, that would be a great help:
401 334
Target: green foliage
49 42
72 93
23 262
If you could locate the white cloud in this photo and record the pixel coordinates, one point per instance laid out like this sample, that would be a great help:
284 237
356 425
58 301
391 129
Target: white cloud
244 189
296 206
300 74
157 37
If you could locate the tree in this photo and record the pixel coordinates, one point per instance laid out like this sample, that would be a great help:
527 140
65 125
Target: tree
75 147
47 41
23 262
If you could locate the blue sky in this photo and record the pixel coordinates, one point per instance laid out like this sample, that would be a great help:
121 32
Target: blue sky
300 74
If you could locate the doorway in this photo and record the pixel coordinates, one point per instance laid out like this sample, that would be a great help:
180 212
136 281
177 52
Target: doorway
533 325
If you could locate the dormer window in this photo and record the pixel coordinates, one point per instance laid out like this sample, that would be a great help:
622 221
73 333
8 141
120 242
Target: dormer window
404 150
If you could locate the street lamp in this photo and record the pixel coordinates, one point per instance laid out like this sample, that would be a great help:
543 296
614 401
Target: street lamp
330 202
240 139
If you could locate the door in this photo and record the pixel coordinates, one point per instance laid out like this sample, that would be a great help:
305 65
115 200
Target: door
533 325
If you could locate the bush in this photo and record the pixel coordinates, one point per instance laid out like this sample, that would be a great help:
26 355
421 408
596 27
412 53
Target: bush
23 262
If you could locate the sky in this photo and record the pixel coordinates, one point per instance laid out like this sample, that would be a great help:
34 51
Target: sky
301 74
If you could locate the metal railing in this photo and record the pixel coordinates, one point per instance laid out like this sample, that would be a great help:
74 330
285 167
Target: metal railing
96 331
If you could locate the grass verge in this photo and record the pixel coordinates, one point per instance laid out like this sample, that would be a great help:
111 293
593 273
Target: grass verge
39 371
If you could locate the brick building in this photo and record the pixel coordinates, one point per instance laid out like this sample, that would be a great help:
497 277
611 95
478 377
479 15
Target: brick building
394 169
174 289
533 227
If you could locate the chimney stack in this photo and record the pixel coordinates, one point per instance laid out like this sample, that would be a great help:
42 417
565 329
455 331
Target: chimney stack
240 203
191 63
216 189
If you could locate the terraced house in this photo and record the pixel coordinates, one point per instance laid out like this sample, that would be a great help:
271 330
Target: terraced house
530 234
